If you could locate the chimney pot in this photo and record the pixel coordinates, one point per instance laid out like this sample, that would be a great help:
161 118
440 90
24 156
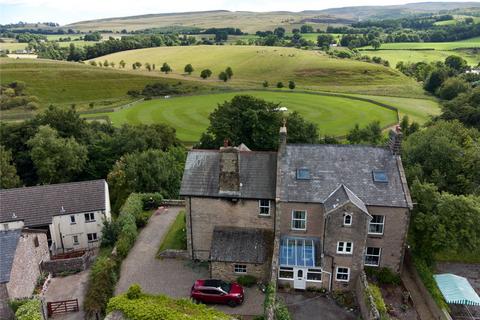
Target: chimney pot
225 142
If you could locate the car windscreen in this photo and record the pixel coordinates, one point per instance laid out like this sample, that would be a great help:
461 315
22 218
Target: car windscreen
225 286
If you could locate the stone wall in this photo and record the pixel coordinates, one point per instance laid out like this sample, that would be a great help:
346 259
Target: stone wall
174 254
26 264
5 310
225 271
67 265
173 202
365 300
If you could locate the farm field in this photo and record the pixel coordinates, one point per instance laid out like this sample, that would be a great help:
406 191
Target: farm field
312 70
13 46
189 114
66 83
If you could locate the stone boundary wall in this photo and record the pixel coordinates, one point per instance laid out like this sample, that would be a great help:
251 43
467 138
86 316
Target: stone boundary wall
174 254
173 202
67 265
365 300
431 304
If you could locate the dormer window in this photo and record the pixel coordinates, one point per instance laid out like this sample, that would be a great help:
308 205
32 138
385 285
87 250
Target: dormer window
303 174
379 176
347 219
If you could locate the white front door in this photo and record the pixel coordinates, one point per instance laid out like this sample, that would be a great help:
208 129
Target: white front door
300 278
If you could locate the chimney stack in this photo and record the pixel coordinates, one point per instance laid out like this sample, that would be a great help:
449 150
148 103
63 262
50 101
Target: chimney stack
283 136
229 173
395 143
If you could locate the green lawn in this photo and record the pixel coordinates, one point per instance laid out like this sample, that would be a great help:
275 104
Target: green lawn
175 237
251 65
189 114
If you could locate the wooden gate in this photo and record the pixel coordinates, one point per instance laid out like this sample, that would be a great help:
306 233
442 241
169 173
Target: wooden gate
59 307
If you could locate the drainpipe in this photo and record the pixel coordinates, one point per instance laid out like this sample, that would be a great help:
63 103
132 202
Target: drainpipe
191 225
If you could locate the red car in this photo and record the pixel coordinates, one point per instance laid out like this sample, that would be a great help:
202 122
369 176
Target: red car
217 291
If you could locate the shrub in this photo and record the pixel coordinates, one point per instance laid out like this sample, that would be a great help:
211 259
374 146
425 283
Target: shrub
383 275
142 219
101 285
265 84
30 310
247 280
377 298
280 85
17 303
134 292
426 275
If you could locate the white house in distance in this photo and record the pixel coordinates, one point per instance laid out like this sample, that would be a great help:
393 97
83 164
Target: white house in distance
72 213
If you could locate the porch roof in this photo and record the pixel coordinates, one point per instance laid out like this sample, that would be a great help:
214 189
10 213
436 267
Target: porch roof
298 252
456 289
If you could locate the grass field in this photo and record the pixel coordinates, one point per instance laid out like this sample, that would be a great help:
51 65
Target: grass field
252 65
66 83
175 238
427 51
189 114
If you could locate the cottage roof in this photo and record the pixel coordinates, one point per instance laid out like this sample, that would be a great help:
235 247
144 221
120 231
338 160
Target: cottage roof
8 246
257 174
333 165
248 245
37 205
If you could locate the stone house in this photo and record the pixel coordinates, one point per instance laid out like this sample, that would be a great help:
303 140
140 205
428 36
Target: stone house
333 209
72 213
22 253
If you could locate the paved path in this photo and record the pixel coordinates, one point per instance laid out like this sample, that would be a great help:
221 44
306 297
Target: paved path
66 288
173 277
418 300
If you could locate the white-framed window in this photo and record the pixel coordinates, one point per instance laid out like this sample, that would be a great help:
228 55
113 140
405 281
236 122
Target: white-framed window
89 217
264 206
72 220
342 274
372 256
314 275
92 237
344 247
376 225
285 273
299 220
347 219
75 239
240 268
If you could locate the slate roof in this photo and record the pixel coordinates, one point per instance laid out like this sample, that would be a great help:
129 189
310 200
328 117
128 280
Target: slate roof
257 174
333 165
37 205
341 196
8 246
248 245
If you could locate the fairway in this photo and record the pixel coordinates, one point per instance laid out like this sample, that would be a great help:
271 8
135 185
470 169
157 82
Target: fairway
310 69
189 114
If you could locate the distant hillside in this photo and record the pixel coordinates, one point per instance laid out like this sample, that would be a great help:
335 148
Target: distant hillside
254 21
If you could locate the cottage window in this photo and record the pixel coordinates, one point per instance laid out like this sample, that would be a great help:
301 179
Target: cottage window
75 239
372 256
72 220
285 273
35 242
376 224
240 268
264 206
303 174
5 226
299 220
92 237
347 219
344 247
342 274
89 217
314 275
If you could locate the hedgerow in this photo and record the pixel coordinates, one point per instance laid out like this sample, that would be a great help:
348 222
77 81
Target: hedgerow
101 285
30 310
142 306
426 275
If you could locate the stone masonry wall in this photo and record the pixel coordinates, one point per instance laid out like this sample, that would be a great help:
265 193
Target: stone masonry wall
65 265
206 213
5 311
26 264
225 271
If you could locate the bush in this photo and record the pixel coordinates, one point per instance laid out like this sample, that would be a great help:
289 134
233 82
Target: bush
110 232
247 280
17 303
142 219
426 275
134 292
101 285
377 298
383 275
280 85
30 310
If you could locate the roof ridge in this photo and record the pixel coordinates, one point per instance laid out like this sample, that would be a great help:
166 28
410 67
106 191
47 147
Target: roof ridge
337 145
51 185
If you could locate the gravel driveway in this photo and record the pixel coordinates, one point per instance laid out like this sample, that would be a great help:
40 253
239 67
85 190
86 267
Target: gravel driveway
173 277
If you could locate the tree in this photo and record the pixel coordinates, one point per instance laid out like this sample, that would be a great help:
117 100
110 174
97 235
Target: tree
407 127
147 171
221 36
223 76
291 84
255 122
188 68
435 79
371 134
456 63
148 66
279 32
56 159
375 44
206 73
229 72
112 64
165 68
452 87
105 63
8 172
265 84
324 40
138 65
306 29
122 64
465 108
280 85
